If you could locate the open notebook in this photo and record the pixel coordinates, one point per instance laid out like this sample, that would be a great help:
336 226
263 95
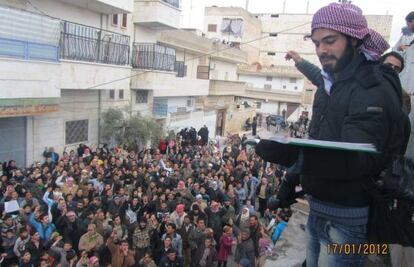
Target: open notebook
362 147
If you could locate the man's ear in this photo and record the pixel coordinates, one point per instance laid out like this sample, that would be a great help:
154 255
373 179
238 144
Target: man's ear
355 42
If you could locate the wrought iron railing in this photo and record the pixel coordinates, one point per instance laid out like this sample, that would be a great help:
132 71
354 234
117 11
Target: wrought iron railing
153 57
85 43
175 3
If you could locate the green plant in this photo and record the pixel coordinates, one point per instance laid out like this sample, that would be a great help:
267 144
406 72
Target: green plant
130 129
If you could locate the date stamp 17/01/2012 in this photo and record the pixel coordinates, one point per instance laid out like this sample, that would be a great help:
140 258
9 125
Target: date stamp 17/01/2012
357 249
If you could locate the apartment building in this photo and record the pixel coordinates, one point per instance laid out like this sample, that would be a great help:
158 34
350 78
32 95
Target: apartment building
273 84
176 68
56 58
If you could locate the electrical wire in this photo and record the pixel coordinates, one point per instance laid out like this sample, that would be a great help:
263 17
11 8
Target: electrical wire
172 64
194 58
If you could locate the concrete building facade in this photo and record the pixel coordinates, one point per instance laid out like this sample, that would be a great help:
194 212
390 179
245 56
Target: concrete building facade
56 58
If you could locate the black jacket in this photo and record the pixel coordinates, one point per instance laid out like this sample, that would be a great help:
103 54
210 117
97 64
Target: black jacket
364 106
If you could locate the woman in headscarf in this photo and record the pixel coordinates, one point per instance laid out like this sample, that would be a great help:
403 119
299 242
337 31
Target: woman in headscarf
242 220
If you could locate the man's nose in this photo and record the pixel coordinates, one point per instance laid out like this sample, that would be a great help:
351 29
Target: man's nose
321 49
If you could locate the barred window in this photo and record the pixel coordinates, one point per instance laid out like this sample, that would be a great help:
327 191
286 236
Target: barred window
121 94
76 131
141 97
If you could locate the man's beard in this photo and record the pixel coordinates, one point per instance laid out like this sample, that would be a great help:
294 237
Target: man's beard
341 62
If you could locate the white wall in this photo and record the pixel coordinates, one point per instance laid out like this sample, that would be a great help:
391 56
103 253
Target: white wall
29 79
177 102
156 13
221 70
191 12
166 84
269 108
83 75
277 82
49 129
197 120
144 34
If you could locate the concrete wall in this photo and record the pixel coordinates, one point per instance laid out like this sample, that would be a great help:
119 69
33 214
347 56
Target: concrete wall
236 118
49 130
144 34
156 14
29 79
180 102
195 119
166 84
269 108
83 75
191 12
277 83
224 71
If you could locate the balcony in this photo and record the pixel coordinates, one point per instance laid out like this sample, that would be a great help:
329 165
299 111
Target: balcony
167 84
104 6
83 43
160 14
29 76
150 56
273 95
28 36
221 88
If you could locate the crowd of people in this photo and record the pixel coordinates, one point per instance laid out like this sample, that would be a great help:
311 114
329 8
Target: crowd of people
186 203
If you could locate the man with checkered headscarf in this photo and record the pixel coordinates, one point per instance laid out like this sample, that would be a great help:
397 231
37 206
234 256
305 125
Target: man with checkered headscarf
357 101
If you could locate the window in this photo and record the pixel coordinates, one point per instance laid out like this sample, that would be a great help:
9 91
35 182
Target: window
284 86
232 27
259 105
141 97
271 53
121 94
292 80
124 20
76 131
111 94
274 15
180 68
115 19
190 103
203 72
212 28
267 86
269 78
296 88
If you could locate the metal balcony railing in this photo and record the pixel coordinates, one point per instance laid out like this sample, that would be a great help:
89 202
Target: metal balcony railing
85 43
175 3
153 57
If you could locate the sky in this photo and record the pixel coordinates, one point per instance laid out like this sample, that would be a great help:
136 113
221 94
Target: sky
398 8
